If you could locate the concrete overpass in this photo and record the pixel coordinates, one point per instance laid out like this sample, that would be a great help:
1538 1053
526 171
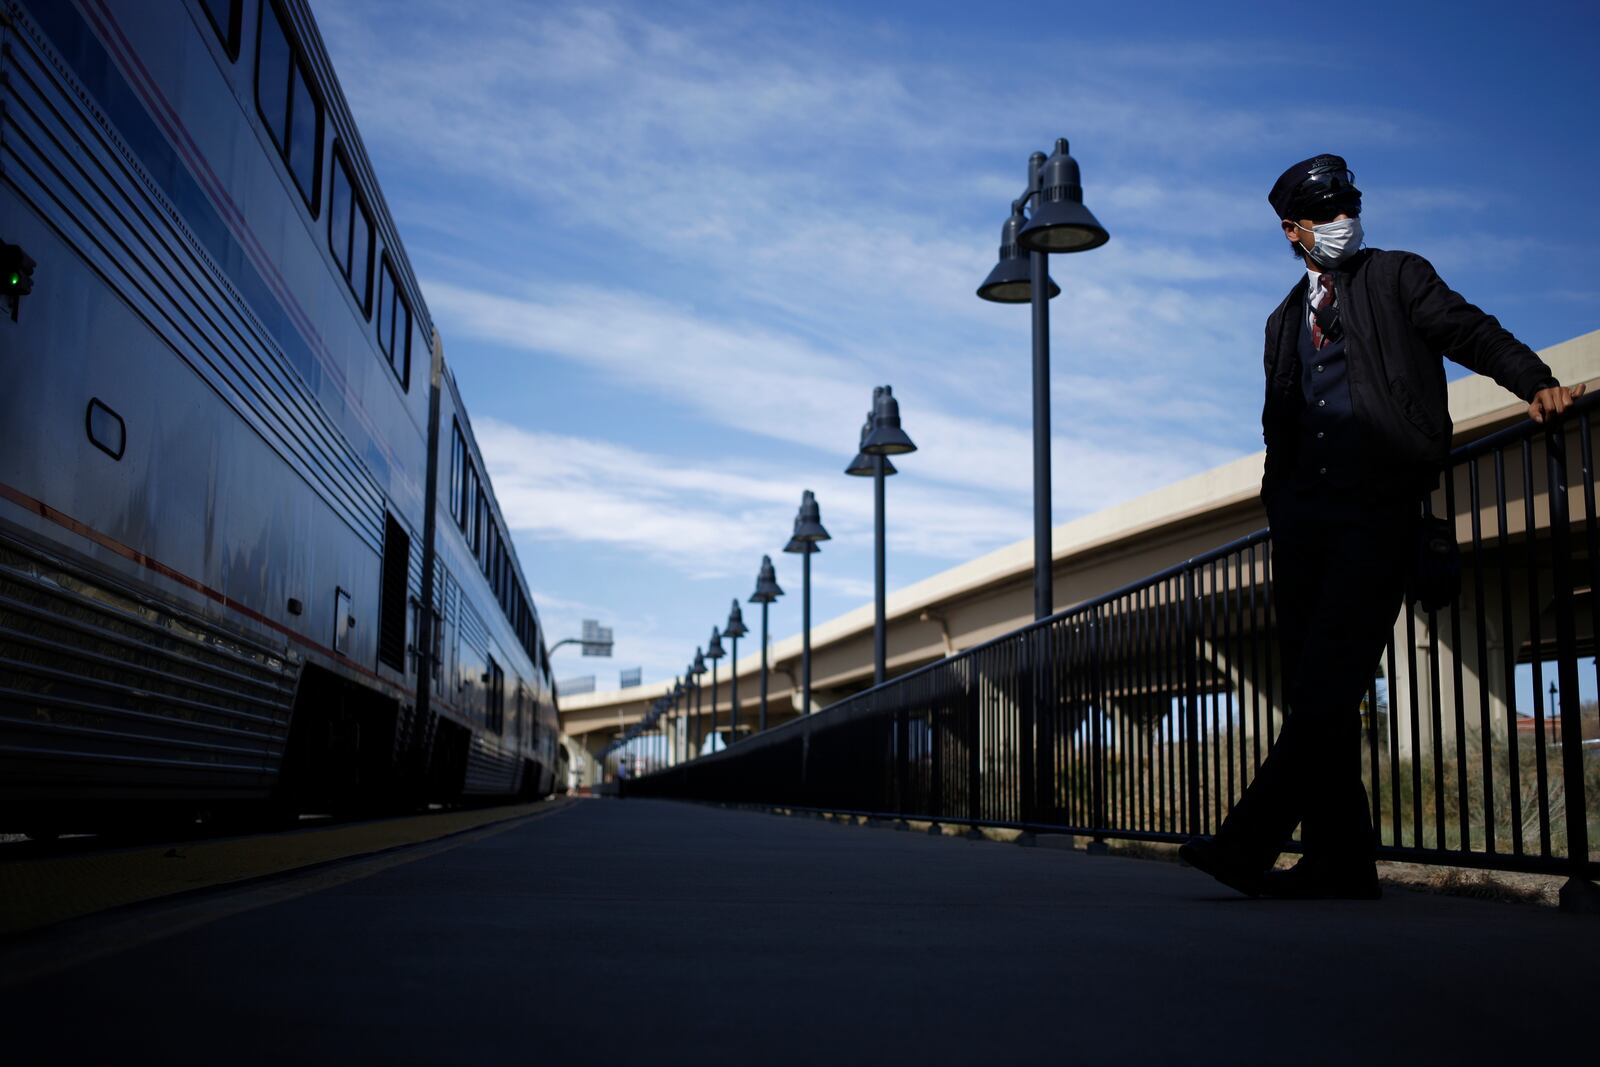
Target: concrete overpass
993 594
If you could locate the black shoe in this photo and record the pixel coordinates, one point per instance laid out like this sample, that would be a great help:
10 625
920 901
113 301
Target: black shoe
1313 880
1204 854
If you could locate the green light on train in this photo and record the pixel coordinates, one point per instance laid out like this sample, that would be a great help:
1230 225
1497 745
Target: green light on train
16 267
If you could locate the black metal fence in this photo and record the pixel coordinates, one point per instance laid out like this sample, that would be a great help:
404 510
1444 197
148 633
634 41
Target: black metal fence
1143 713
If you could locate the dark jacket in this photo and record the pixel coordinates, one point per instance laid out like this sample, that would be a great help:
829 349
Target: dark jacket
1400 320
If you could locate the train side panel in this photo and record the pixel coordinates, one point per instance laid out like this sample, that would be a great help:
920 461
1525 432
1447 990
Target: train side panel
212 502
201 443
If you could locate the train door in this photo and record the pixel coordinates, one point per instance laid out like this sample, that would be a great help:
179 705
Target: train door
392 613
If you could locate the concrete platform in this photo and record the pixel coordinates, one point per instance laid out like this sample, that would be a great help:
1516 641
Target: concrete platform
638 931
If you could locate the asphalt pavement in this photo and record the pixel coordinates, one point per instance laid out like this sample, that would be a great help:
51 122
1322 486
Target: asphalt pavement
656 932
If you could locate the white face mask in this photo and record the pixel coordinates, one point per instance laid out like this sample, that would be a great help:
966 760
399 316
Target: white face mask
1335 241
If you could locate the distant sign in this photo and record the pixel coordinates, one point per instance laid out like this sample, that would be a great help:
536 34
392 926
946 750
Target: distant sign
571 687
596 639
631 678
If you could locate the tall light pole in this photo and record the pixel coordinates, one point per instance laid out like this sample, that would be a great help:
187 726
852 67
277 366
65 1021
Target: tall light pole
662 715
881 438
1058 223
766 592
697 667
714 652
734 630
679 690
669 699
808 530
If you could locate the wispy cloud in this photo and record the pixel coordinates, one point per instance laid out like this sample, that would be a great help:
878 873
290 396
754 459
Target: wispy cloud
711 519
739 375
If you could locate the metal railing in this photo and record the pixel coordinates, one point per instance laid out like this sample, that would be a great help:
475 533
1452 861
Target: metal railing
1143 713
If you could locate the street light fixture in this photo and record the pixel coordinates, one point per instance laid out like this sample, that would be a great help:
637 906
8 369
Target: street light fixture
1011 281
734 630
864 465
883 438
766 592
808 530
1058 223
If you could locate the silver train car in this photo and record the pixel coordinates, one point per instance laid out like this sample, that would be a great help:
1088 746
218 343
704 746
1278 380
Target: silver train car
249 556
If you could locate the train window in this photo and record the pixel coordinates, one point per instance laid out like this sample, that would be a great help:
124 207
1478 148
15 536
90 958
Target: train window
479 513
496 702
272 76
305 138
361 246
490 534
283 95
224 16
458 475
394 323
350 233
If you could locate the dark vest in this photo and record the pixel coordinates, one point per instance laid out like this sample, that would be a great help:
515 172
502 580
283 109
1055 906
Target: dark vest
1330 453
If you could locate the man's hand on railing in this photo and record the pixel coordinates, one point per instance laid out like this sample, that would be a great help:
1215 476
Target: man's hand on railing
1553 401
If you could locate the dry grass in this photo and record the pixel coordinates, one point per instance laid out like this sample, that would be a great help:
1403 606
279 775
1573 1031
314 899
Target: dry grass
1508 887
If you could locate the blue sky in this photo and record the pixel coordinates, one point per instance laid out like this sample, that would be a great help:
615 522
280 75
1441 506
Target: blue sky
671 247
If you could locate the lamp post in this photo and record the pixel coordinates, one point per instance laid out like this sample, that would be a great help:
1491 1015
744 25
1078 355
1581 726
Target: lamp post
657 761
669 727
734 630
714 653
1058 223
673 696
660 715
808 530
672 720
881 438
697 667
766 592
649 735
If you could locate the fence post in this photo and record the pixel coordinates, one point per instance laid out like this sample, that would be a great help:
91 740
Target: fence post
1097 735
936 724
1191 703
1027 753
901 761
972 697
1578 894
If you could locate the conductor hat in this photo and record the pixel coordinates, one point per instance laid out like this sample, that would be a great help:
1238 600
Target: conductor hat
1321 186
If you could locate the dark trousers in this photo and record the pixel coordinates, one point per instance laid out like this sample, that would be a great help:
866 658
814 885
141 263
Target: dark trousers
1338 567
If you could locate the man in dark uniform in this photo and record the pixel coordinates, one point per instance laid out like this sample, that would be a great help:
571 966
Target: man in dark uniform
1357 431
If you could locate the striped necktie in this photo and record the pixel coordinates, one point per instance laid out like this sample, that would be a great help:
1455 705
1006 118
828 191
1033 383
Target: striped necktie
1321 312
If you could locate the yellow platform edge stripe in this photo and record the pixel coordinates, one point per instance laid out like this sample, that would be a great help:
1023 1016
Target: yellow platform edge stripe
42 892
